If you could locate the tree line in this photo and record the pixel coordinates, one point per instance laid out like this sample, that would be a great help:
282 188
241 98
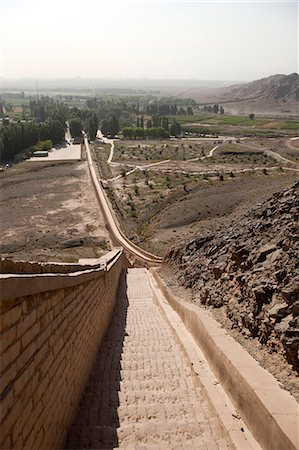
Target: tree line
142 133
167 109
18 137
152 132
110 126
214 108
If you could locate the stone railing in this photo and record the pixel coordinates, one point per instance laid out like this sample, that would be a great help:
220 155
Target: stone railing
51 327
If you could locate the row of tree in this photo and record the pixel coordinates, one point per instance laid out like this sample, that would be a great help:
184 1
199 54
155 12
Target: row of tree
155 122
15 138
166 109
18 137
52 130
110 127
214 109
142 133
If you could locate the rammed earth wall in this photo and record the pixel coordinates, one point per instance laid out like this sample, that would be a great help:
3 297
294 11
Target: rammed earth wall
51 327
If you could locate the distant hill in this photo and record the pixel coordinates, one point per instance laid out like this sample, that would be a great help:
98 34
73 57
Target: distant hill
280 88
277 95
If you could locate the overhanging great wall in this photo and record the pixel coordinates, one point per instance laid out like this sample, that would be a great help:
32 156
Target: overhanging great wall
53 320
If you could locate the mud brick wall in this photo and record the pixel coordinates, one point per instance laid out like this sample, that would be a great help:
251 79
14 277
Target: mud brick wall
10 266
51 328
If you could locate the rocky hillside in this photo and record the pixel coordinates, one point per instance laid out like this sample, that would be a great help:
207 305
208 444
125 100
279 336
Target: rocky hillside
283 88
251 270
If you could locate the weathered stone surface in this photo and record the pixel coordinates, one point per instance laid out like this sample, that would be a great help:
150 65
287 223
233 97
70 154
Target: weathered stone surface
251 267
141 392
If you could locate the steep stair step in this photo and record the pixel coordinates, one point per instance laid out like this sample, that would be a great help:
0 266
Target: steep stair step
157 385
174 434
162 412
168 395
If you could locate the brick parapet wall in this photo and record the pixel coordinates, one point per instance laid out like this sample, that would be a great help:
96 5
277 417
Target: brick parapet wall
8 266
51 328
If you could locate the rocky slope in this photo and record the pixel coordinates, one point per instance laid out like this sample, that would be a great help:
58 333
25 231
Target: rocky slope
276 87
251 270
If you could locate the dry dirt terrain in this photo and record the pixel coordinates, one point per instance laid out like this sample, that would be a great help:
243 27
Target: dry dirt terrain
167 191
49 213
210 208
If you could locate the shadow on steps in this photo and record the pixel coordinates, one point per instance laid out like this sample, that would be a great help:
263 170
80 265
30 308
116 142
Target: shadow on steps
96 421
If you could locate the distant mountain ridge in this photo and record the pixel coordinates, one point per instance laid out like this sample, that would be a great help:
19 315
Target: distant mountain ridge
280 88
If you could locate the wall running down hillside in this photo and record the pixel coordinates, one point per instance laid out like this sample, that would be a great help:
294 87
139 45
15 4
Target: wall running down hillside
52 325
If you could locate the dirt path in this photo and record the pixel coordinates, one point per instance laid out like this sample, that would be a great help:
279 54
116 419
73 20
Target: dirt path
144 167
141 393
274 155
290 145
211 152
278 157
109 160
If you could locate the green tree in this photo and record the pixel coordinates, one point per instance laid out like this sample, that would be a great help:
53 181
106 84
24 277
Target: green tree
155 121
92 102
128 132
92 126
56 131
104 127
140 132
16 138
164 123
175 129
113 126
76 127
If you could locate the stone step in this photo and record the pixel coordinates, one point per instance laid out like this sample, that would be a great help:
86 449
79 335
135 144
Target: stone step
162 412
130 349
147 358
95 394
158 385
151 373
186 433
141 394
166 396
175 434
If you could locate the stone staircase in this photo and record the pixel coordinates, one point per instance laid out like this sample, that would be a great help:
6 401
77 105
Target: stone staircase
141 394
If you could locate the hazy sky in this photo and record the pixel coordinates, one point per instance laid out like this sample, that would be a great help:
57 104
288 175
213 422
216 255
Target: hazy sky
221 40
